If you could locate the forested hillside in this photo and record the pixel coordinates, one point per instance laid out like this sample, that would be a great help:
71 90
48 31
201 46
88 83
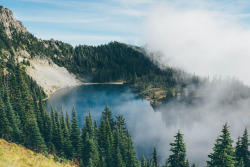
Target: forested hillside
105 63
24 119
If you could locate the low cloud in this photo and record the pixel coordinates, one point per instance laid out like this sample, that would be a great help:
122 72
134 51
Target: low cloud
200 40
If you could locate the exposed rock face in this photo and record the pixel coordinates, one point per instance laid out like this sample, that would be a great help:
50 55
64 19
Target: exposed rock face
44 71
50 76
10 23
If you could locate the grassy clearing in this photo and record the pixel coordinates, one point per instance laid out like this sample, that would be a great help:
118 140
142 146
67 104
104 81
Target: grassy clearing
13 155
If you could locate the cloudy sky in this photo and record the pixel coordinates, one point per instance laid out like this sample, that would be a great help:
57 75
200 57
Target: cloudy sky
96 22
204 37
90 22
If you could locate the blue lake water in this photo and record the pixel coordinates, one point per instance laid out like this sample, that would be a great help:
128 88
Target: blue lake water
120 98
201 124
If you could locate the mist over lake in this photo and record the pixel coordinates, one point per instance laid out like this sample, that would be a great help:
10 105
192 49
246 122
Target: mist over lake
121 99
151 128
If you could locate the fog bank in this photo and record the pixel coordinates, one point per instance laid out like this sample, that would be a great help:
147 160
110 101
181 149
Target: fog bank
200 38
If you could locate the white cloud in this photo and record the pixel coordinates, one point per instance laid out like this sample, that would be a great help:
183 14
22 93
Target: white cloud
201 41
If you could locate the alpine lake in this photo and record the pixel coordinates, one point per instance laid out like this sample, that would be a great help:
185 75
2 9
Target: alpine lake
121 99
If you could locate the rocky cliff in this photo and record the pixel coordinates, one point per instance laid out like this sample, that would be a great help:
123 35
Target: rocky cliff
24 48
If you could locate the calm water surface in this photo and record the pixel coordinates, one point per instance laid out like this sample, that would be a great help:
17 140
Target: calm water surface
121 99
201 123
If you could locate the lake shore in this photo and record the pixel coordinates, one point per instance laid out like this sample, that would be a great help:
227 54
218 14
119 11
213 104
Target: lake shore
82 83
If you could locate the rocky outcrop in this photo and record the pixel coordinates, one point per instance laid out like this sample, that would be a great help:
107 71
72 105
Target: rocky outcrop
50 76
10 23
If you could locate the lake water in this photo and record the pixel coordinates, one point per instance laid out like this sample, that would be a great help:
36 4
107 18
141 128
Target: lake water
201 124
121 99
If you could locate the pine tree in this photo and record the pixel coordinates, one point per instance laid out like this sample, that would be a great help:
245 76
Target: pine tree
57 138
131 159
107 115
5 128
31 133
143 162
90 145
118 159
75 134
12 118
102 137
155 158
241 151
178 148
68 122
46 131
120 123
223 155
66 143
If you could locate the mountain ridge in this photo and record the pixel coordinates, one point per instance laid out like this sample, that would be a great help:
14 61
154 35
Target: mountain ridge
112 62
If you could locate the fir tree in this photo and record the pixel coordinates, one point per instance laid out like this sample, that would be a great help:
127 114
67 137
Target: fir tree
223 155
12 118
107 115
66 143
178 148
241 151
75 134
143 162
5 128
118 160
155 158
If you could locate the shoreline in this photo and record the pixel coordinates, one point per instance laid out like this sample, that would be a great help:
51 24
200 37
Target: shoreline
82 83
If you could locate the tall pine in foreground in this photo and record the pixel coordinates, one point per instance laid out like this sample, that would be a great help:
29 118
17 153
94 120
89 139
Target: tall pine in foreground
223 155
75 135
178 149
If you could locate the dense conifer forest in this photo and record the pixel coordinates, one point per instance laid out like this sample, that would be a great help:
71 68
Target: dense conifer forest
106 142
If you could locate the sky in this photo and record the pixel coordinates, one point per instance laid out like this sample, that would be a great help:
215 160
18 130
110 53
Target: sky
203 37
91 22
95 22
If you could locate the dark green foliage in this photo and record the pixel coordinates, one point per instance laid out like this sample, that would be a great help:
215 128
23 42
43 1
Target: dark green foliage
5 127
178 149
155 158
75 135
90 152
66 143
223 155
241 151
143 162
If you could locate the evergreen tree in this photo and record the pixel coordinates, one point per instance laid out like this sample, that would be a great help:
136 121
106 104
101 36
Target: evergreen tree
143 162
90 145
68 122
155 158
131 160
57 132
32 135
118 160
66 143
12 118
5 127
241 151
107 115
223 155
75 134
178 148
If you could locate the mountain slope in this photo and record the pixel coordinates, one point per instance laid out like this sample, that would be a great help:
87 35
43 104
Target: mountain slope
18 44
14 155
105 63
